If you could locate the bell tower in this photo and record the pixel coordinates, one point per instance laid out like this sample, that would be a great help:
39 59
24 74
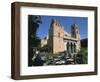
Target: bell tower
75 34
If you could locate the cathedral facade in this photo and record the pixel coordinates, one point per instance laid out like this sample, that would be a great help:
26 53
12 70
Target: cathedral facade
58 40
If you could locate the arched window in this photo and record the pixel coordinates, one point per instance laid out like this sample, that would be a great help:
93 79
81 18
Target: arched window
59 34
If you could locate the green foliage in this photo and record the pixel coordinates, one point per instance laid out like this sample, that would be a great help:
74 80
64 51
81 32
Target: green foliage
83 56
33 25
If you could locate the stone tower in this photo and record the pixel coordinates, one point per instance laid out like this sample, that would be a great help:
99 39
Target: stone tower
75 34
56 34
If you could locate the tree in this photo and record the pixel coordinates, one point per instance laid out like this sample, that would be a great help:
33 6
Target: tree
83 56
33 39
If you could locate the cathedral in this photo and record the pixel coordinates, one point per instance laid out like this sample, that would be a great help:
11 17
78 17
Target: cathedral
59 40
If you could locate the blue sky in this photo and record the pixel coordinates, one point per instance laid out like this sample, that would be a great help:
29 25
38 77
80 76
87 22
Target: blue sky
65 21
